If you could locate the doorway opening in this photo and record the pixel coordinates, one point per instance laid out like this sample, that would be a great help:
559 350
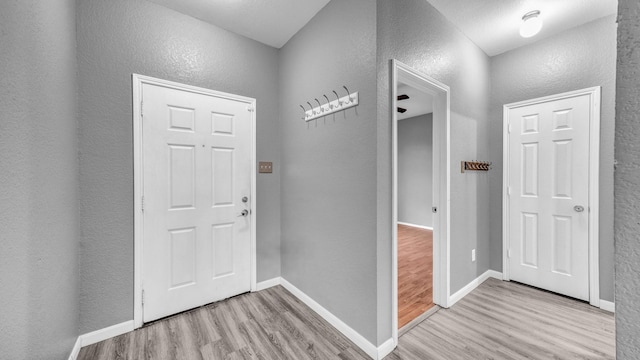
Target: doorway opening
415 203
420 205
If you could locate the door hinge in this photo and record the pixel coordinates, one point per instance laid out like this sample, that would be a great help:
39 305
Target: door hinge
509 128
142 203
509 253
251 108
509 190
141 109
142 296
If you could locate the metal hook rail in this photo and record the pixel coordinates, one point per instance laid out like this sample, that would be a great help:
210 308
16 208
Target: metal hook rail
339 104
475 166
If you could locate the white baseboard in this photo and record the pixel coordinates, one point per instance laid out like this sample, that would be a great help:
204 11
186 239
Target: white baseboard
268 283
607 306
76 349
415 225
107 333
386 348
345 329
472 285
100 335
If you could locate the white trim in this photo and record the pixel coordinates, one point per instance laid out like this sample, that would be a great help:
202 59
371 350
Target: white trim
607 306
345 329
441 187
415 225
268 283
254 195
473 285
100 335
594 184
594 198
76 349
106 333
137 84
386 348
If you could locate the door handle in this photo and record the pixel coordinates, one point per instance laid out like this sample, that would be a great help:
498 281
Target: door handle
578 208
244 213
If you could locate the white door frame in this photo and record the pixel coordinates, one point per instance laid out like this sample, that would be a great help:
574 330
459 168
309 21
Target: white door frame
137 82
441 183
594 183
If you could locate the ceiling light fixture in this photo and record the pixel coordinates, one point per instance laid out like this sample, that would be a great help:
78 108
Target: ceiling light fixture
531 24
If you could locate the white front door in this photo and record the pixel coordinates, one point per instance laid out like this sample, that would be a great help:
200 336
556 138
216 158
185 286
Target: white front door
197 189
548 201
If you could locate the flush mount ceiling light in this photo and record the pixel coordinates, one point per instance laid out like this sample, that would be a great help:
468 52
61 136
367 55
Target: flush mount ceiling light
531 24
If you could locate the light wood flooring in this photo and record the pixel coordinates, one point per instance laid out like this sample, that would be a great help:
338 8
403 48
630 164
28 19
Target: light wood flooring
498 320
269 324
507 320
415 273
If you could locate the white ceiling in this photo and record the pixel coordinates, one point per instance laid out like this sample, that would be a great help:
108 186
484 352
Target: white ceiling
419 103
493 25
272 22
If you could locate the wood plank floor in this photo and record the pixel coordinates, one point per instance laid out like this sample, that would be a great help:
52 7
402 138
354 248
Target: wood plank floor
498 320
506 320
415 273
269 324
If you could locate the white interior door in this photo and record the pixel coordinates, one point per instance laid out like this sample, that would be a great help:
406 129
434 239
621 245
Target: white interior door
197 189
548 187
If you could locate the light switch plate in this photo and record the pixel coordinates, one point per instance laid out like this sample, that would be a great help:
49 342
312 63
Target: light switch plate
265 167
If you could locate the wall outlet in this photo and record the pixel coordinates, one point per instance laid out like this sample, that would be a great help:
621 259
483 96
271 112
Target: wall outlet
473 255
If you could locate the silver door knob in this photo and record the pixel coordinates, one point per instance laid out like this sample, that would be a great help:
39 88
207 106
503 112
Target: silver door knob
578 208
245 199
244 212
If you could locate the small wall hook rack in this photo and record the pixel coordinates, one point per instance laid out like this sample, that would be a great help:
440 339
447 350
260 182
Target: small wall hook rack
474 166
339 104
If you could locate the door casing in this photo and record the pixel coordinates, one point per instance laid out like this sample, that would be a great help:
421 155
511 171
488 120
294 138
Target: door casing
137 83
594 181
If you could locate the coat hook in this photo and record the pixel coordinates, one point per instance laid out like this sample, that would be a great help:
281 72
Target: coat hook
319 105
337 97
311 107
304 111
348 94
328 102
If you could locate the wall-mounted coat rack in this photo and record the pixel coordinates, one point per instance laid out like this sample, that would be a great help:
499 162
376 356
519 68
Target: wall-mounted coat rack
474 166
332 106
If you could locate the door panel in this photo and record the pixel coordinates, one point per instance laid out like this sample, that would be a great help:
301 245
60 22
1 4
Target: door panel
548 176
197 168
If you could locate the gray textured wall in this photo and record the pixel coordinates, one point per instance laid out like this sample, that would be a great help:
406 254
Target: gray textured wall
120 37
328 165
579 58
415 33
38 180
627 183
415 170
